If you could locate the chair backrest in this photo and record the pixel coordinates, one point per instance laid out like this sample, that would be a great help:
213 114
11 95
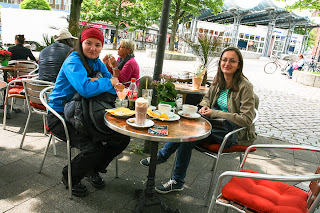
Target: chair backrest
32 66
142 84
33 88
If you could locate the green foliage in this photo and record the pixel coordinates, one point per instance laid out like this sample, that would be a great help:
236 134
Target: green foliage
304 4
48 40
35 4
165 88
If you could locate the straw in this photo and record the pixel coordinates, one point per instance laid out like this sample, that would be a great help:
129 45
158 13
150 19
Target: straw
145 94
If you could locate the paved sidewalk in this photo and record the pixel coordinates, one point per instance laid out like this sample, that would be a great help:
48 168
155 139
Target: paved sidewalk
289 113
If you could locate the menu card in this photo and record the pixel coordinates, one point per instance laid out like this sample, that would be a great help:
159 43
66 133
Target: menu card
158 130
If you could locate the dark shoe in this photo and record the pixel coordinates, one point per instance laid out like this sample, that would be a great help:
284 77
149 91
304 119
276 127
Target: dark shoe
78 189
96 180
170 186
146 161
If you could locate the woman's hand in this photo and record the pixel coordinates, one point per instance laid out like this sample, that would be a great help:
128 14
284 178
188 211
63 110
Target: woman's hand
206 111
93 79
105 60
114 81
113 62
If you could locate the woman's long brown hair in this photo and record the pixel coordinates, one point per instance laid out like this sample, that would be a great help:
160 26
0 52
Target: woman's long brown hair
219 78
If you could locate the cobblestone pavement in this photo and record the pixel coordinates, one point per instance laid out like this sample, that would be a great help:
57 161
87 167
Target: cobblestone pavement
288 111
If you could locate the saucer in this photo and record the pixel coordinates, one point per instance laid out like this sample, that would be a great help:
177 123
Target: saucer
194 116
132 122
173 117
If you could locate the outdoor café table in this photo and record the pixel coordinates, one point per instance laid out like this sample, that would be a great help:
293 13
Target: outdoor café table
11 68
184 130
3 86
185 89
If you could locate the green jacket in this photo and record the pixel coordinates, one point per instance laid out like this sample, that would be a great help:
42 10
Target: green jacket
241 106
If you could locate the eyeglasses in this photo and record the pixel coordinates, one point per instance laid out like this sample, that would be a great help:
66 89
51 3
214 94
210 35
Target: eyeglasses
231 61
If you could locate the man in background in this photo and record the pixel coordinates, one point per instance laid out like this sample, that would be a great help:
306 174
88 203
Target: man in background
52 57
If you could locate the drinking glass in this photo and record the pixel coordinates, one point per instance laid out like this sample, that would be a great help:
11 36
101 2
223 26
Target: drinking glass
122 95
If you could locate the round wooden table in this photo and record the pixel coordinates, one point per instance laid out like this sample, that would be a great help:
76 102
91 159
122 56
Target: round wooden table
185 89
183 130
11 68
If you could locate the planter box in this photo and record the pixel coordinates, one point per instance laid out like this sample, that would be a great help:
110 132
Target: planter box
305 78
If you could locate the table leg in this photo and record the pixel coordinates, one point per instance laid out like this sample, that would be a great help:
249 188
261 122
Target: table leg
148 197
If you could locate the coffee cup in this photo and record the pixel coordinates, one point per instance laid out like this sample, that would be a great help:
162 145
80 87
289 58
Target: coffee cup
189 110
165 108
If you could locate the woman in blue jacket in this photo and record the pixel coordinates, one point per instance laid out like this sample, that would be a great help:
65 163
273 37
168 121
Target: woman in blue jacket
72 78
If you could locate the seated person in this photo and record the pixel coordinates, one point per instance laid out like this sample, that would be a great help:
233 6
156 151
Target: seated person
72 78
232 93
52 57
126 67
297 65
19 51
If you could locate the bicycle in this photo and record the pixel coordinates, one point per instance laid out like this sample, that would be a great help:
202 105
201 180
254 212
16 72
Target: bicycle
272 66
312 66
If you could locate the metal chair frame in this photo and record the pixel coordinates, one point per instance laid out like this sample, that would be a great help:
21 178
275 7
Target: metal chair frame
43 99
299 178
217 156
32 91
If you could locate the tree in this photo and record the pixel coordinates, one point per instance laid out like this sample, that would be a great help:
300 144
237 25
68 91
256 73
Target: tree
304 4
74 27
35 4
119 12
183 8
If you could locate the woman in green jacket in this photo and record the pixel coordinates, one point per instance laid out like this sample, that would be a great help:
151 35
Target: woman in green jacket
230 97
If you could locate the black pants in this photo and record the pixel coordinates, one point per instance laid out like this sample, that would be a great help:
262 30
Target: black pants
94 156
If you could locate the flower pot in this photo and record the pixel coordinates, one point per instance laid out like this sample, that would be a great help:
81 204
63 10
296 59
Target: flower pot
5 63
170 103
196 82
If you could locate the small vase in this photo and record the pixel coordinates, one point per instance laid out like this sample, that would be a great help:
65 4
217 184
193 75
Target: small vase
196 82
170 103
5 63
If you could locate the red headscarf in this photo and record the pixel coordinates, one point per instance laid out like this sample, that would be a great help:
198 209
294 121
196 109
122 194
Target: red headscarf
92 33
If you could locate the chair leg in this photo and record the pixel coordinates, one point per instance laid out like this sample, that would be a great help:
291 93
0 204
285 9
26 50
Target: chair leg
5 113
25 129
45 153
54 146
117 168
214 170
69 169
11 107
44 124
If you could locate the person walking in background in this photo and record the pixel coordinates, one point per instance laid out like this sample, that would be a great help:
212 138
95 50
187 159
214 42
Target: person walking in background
19 51
126 67
52 57
74 76
230 97
297 65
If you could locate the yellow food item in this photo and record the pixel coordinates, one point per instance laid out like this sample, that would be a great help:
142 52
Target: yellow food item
164 115
121 111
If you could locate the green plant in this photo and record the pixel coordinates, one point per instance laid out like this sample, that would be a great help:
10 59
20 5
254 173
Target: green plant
206 48
5 55
165 88
48 40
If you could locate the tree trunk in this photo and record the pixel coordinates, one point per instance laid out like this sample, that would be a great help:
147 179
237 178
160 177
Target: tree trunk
115 38
75 17
174 26
204 81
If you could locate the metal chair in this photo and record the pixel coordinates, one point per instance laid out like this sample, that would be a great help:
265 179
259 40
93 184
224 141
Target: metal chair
43 99
32 89
269 191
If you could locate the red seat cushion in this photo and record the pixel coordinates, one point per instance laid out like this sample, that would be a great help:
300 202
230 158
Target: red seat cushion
37 106
216 147
15 90
12 79
265 195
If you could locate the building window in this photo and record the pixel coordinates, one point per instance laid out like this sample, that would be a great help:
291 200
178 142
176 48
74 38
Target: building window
50 1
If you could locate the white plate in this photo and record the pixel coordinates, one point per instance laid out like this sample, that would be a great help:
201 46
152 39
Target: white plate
197 115
152 107
173 117
132 122
121 116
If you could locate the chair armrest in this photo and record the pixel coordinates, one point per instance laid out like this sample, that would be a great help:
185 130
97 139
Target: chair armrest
44 102
277 146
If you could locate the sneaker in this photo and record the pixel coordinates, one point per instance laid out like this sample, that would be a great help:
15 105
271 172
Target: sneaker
78 189
146 161
170 186
96 180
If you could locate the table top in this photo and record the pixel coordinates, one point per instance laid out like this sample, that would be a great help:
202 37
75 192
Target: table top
183 130
3 84
187 88
13 68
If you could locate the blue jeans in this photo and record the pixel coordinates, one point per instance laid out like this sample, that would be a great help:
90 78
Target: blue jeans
183 158
290 70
